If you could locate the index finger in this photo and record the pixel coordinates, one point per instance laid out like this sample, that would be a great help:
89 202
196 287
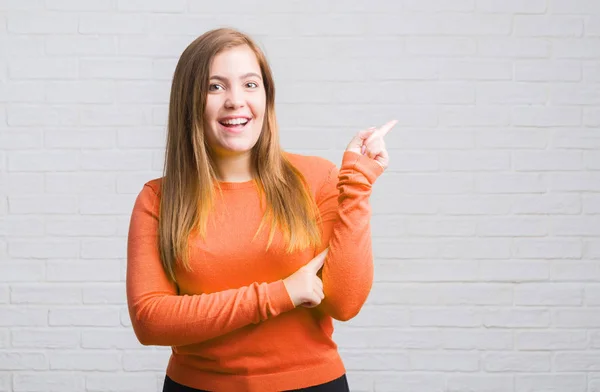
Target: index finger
381 132
386 127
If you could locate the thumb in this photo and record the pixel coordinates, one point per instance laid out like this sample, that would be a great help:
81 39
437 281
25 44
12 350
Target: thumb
358 140
316 263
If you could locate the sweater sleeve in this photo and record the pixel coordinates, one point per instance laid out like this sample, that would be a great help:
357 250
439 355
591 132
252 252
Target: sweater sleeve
343 202
160 316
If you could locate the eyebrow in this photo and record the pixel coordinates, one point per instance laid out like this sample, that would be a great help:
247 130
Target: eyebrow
244 76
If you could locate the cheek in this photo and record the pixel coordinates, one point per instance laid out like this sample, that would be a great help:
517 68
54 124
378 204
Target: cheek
210 110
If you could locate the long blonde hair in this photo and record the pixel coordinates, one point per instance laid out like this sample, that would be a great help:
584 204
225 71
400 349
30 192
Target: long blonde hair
187 193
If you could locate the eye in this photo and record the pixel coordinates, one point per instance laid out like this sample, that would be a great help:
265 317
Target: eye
255 84
211 85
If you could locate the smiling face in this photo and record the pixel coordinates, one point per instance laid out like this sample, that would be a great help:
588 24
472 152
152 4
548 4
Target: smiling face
235 94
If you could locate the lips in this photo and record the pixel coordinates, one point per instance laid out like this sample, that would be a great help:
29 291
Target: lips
235 128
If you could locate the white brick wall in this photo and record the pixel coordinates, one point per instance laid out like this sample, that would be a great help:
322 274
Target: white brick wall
486 226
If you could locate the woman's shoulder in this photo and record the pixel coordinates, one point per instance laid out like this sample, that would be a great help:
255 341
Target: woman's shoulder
154 185
311 166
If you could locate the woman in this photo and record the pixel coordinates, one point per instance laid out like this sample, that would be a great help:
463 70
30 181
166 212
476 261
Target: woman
240 256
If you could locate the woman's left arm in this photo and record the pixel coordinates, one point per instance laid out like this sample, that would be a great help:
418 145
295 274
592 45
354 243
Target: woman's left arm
343 202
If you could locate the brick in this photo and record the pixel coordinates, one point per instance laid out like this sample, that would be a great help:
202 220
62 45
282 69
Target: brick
122 382
577 361
469 339
573 270
561 382
21 92
559 204
584 181
547 248
513 47
439 24
49 339
83 271
514 271
509 183
116 69
75 5
80 92
81 45
64 138
546 116
55 160
550 340
53 381
581 139
23 317
548 294
20 183
591 71
548 70
151 5
513 139
548 26
444 361
80 226
372 338
444 317
42 23
481 383
47 204
104 295
91 360
112 24
591 117
440 46
45 294
10 360
573 7
515 317
475 70
105 248
139 361
512 226
575 94
43 68
591 249
83 317
511 93
426 270
150 46
582 48
516 362
547 161
21 140
512 6
55 115
576 318
44 249
22 270
109 338
490 116
440 5
79 183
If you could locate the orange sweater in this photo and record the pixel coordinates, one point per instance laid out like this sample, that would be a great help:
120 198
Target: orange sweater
231 323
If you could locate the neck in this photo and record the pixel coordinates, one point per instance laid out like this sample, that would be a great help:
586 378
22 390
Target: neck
234 168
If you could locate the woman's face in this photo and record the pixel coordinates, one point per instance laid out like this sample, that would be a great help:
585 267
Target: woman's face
235 93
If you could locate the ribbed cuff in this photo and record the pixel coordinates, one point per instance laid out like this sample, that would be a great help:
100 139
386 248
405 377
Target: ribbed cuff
361 164
280 298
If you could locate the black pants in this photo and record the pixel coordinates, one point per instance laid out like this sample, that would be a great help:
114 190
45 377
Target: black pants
337 385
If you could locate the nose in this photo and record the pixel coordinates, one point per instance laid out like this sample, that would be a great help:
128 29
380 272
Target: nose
235 98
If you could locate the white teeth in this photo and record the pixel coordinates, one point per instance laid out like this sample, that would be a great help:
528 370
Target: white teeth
235 121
